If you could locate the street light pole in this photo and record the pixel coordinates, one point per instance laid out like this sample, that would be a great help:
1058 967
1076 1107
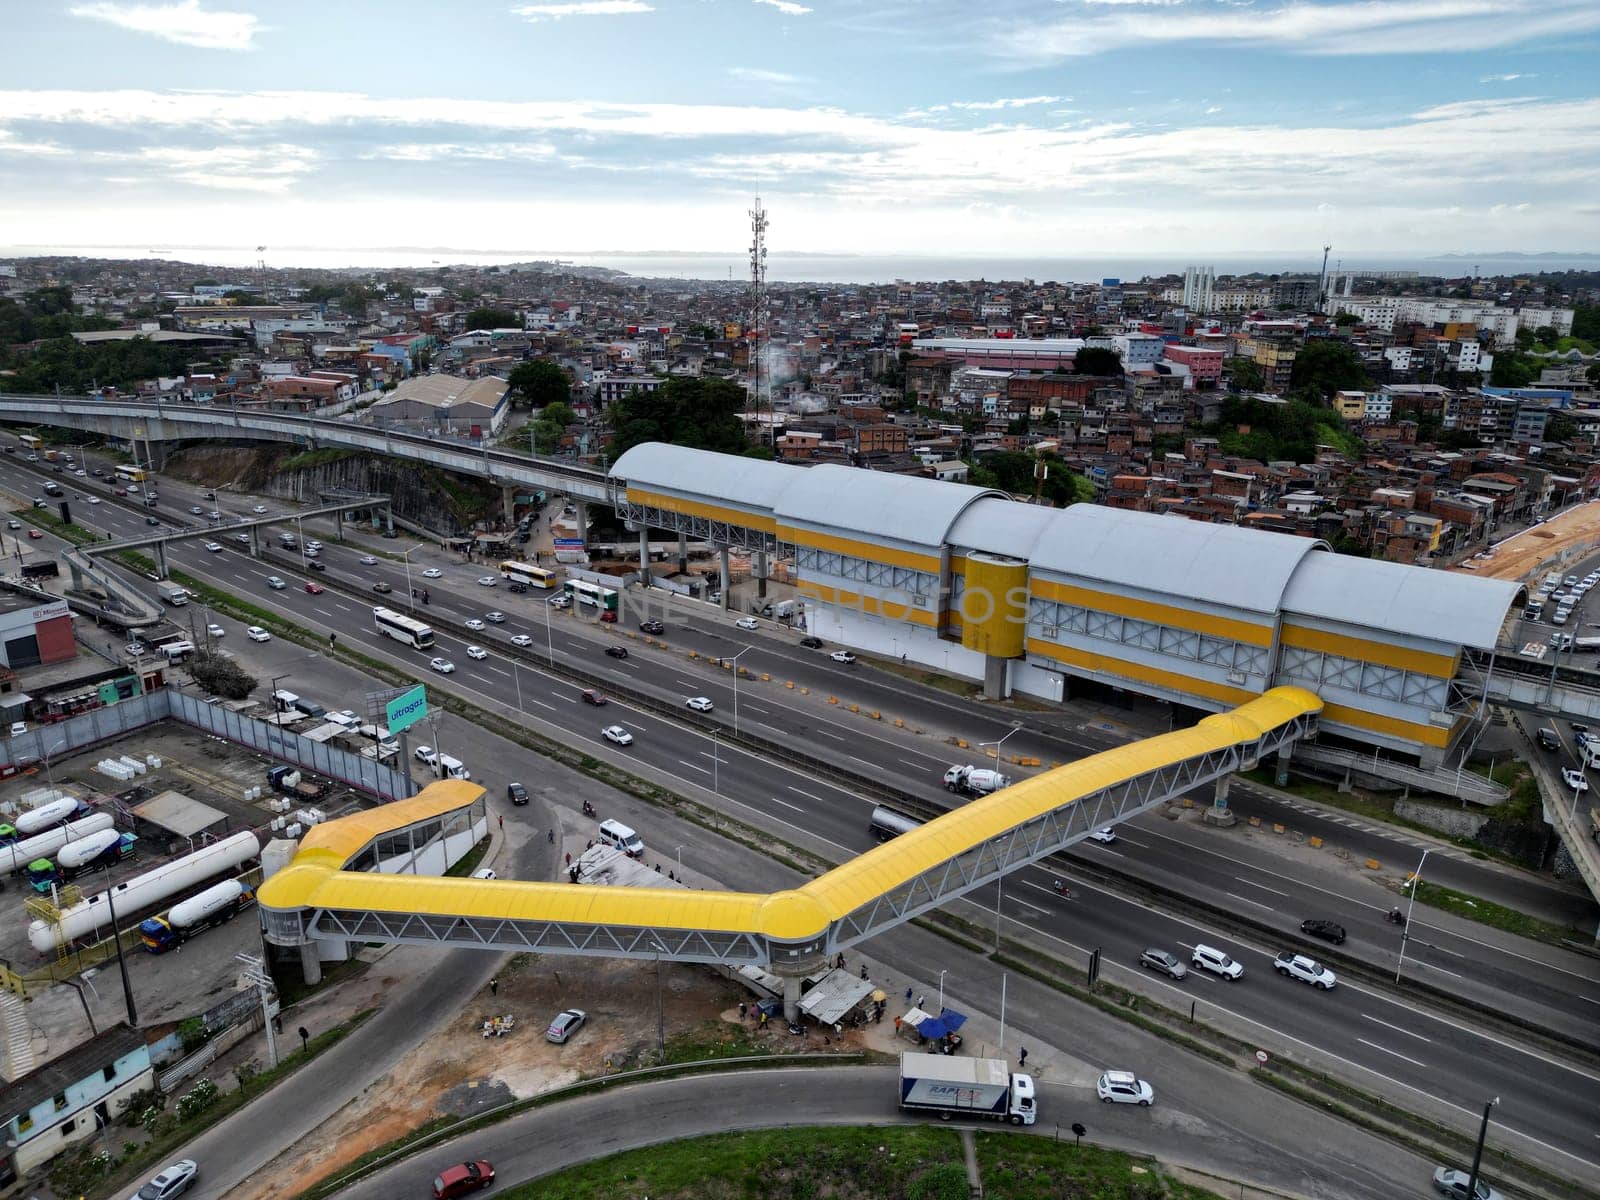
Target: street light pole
942 974
1405 933
410 591
1477 1154
549 645
735 661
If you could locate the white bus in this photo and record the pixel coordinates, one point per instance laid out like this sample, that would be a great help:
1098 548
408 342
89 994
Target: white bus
592 594
402 628
521 572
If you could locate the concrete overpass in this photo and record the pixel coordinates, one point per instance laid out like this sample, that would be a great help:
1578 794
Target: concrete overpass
159 421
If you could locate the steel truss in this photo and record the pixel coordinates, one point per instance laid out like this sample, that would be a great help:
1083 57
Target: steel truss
701 529
1053 831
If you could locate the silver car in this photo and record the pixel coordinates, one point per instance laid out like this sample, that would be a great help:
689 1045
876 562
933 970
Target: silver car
565 1025
172 1181
1167 963
1451 1182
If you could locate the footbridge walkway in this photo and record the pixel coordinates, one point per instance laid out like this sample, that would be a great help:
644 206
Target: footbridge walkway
318 898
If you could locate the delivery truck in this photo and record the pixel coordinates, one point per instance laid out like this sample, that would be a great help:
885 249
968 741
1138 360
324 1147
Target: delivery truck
965 1087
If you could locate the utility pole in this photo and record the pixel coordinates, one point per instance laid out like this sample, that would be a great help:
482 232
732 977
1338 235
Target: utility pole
1322 280
758 301
255 971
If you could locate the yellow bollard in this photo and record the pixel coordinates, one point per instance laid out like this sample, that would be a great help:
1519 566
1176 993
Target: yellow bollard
875 715
855 708
1374 865
1256 822
833 699
1316 842
805 691
899 724
790 685
1276 828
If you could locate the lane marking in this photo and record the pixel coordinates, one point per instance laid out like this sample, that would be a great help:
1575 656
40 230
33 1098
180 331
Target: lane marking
695 767
1396 1053
1245 900
808 795
1262 886
1396 1028
786 804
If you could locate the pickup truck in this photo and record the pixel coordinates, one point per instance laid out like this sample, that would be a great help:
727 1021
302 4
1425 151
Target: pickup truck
1306 970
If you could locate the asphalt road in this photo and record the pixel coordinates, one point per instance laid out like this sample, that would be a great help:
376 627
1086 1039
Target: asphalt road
1376 1033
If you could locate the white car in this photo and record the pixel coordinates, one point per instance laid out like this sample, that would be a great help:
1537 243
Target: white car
1104 836
213 515
171 1181
214 547
257 634
1305 969
1124 1087
260 510
842 656
313 544
442 665
275 583
311 551
495 618
433 573
700 704
134 648
369 560
748 623
1575 780
559 602
1216 961
522 639
216 631
485 873
617 734
477 652
476 625
488 580
426 754
94 500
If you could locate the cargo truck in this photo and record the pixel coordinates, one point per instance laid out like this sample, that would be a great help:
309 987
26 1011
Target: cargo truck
974 781
290 782
965 1087
200 912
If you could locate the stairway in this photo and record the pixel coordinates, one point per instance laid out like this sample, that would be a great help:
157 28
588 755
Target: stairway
17 1042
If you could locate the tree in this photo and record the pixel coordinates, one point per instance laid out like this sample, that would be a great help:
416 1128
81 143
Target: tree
1346 318
221 675
1291 432
1096 360
492 318
540 382
241 297
1513 370
1013 471
1244 375
1325 366
1560 427
1586 323
552 423
685 411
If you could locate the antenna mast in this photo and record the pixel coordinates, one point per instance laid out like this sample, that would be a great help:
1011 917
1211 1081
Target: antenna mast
758 301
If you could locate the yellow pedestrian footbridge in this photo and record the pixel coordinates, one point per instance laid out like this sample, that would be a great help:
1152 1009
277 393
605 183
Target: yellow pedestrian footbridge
337 889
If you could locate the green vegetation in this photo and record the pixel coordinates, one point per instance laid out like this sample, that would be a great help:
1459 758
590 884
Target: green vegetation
351 297
1514 369
1096 360
492 318
1290 431
551 425
307 459
541 383
1325 366
1497 916
1244 375
221 676
1013 471
702 413
48 519
917 1162
44 314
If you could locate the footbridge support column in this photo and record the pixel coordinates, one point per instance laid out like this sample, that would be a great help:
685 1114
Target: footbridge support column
338 526
644 556
161 560
1219 813
722 574
683 554
761 574
255 541
310 962
1285 756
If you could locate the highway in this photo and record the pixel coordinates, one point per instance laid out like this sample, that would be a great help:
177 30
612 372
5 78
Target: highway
1377 1034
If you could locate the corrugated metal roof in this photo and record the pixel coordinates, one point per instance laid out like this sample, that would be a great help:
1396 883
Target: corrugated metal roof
704 474
1441 606
876 504
1218 564
313 880
998 526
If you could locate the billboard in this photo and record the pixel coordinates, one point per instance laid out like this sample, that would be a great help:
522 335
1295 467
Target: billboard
406 709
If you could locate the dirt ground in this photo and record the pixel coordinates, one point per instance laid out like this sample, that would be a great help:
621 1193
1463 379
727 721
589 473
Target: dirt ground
462 1072
1520 556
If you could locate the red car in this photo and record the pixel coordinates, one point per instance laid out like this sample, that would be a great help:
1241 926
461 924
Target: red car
314 588
34 533
461 1179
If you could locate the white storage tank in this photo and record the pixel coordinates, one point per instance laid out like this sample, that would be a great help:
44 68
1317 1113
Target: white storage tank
39 819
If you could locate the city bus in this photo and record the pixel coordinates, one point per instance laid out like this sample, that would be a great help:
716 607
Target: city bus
593 595
402 628
30 441
521 572
127 474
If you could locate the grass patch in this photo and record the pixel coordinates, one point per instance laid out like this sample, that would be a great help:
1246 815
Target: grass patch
899 1163
138 562
470 860
1497 916
48 520
964 688
307 459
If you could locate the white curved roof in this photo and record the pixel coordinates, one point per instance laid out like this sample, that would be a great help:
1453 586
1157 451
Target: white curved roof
1441 606
902 508
1218 564
749 482
1002 527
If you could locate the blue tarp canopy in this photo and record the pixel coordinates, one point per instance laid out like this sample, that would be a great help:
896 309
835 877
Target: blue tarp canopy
948 1021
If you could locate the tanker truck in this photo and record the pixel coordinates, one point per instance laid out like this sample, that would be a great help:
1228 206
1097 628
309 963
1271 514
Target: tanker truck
37 820
218 903
144 892
15 856
974 781
75 858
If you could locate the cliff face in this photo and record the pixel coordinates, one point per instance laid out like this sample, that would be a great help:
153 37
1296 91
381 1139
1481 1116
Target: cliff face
438 500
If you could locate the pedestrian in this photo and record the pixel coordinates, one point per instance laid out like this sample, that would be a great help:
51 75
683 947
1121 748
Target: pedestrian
863 970
1022 1057
897 1024
569 858
658 868
502 820
672 877
763 1018
840 963
920 1000
908 997
741 1010
877 1018
494 987
551 836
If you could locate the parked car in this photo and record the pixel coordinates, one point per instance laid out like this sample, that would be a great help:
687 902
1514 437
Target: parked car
517 794
170 1181
565 1025
616 652
617 734
700 703
1165 962
1328 931
462 1179
1124 1087
654 628
485 873
426 755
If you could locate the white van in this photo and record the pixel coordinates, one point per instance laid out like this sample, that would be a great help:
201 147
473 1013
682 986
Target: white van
615 833
175 596
452 768
177 652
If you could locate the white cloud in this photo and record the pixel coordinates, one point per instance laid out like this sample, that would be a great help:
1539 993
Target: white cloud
581 8
183 22
1505 78
1215 108
1010 102
1306 27
787 7
762 75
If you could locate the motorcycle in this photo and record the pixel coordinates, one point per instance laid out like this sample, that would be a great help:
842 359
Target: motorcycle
1396 917
588 809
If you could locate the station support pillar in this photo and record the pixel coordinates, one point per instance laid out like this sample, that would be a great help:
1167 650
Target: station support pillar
722 574
310 962
338 526
791 998
761 574
508 502
583 521
683 554
994 678
644 555
1285 756
1219 813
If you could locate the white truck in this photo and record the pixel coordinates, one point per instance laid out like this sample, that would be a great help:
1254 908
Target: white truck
965 1087
974 781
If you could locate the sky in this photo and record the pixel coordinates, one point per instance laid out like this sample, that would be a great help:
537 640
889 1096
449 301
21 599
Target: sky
1025 127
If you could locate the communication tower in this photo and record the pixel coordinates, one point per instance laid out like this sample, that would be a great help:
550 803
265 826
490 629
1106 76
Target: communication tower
758 302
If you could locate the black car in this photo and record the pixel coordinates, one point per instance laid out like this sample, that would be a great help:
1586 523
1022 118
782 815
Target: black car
1329 931
655 627
382 587
616 652
519 588
811 643
516 793
316 564
152 520
1578 727
1548 740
